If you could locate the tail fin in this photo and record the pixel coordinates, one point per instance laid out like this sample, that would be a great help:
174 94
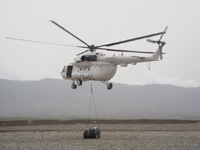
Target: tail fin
156 55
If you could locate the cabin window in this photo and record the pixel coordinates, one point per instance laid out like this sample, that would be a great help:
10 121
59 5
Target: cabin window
80 69
88 69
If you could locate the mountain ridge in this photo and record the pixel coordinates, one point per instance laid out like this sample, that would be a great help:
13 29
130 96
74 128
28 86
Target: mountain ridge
55 98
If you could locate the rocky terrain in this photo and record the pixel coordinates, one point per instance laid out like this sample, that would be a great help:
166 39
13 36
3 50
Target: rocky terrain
113 136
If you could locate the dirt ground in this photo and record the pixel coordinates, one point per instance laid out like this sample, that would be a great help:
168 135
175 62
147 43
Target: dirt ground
113 136
124 121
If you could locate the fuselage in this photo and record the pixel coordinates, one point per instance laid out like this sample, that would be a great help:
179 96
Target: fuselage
98 71
99 67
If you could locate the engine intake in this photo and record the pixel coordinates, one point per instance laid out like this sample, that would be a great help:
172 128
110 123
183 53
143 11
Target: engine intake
89 58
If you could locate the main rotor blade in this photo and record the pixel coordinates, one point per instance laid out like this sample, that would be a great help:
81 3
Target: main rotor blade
41 42
117 50
83 52
70 33
163 34
129 40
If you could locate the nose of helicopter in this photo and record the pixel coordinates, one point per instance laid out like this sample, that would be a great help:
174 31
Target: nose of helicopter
63 73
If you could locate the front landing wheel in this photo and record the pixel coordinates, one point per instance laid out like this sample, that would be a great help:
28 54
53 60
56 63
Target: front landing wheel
74 86
79 82
109 86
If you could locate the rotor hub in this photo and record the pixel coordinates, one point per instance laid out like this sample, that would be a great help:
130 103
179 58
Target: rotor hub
92 48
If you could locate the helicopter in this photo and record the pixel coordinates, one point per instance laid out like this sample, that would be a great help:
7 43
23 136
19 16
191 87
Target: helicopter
96 66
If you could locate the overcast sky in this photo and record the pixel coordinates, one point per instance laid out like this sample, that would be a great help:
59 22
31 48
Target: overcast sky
100 22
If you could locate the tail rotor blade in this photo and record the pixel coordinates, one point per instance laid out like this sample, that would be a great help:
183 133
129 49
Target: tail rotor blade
152 41
159 41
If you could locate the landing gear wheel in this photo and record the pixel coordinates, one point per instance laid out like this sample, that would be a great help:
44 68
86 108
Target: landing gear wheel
109 86
74 86
79 82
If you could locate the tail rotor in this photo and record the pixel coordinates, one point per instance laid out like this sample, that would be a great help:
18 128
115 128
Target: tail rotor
159 42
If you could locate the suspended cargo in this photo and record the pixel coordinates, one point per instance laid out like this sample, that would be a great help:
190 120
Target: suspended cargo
92 133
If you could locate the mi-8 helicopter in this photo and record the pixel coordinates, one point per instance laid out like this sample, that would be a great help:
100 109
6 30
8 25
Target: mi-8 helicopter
97 66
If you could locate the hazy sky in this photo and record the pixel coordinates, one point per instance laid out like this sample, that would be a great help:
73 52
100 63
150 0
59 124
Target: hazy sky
100 22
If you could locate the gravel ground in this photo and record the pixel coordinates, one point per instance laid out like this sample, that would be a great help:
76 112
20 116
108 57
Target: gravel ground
108 127
119 136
